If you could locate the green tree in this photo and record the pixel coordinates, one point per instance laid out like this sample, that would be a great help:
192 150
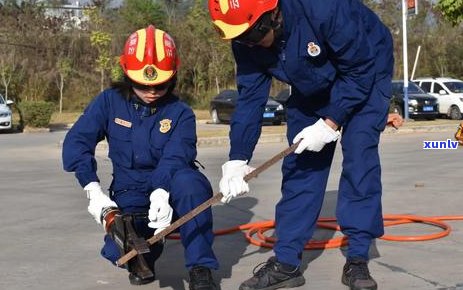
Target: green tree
117 73
137 14
440 54
452 10
64 69
8 68
101 40
206 60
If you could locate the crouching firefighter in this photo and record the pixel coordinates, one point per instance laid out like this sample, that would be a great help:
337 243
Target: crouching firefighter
151 139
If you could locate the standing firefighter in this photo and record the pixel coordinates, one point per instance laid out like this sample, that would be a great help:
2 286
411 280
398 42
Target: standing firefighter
152 145
337 57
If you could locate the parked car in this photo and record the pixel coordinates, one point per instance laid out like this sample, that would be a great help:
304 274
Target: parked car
420 104
282 98
449 93
5 114
222 107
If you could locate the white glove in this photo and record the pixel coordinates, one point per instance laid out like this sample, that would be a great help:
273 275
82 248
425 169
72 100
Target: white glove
160 213
98 200
232 183
315 137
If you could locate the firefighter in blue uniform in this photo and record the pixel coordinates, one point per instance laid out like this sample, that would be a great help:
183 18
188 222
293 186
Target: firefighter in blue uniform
338 58
151 136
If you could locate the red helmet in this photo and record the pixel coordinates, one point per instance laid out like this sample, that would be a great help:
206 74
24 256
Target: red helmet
150 57
233 17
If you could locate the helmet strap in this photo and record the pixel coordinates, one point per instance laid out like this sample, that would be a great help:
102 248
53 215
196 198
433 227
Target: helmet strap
277 23
173 84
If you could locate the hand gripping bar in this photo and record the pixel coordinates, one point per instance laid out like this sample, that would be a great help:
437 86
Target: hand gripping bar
200 208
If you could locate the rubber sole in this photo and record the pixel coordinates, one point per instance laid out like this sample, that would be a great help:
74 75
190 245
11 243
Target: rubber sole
138 281
291 283
345 282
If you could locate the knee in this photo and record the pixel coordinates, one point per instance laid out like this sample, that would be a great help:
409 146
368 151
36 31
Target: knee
110 250
188 182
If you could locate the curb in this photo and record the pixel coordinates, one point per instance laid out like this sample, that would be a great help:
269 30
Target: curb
278 138
36 130
422 129
223 141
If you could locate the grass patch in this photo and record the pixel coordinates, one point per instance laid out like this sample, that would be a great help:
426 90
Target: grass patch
71 117
202 114
64 117
223 131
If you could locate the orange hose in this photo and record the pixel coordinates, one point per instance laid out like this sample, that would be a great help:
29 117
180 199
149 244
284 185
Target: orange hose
259 228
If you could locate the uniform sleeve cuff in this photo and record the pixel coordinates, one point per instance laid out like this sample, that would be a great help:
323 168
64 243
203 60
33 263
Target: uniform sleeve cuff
337 114
161 181
85 178
239 156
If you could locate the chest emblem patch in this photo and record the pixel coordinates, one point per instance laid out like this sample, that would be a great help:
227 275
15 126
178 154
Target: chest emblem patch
165 125
123 122
313 49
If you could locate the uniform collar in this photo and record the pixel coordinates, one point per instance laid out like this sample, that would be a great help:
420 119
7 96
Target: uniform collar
142 108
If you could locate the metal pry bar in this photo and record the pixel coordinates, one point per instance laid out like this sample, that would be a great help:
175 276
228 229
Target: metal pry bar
200 208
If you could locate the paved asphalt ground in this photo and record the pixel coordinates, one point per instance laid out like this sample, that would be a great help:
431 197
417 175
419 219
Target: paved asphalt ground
49 241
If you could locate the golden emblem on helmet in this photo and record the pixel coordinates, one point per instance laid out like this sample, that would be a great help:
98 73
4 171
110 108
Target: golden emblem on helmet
149 73
165 125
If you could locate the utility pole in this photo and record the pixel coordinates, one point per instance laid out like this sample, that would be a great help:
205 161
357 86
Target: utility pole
405 55
408 7
416 62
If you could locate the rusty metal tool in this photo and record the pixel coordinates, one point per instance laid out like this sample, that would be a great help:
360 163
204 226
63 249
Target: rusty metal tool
200 208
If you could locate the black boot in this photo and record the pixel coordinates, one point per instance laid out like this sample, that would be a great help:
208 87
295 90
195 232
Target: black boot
201 279
137 280
273 275
357 276
140 272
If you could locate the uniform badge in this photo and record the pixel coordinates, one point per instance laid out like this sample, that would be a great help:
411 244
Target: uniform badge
165 125
149 73
123 122
313 49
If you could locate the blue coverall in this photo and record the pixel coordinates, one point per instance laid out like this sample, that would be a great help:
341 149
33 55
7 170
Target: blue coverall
150 148
338 58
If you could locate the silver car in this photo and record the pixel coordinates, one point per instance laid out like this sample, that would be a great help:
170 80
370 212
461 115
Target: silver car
5 114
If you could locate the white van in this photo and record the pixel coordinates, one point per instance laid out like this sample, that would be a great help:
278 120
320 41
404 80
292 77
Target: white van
449 93
5 114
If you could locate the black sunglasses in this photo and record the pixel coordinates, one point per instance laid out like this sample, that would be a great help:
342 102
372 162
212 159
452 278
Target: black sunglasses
159 87
258 31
